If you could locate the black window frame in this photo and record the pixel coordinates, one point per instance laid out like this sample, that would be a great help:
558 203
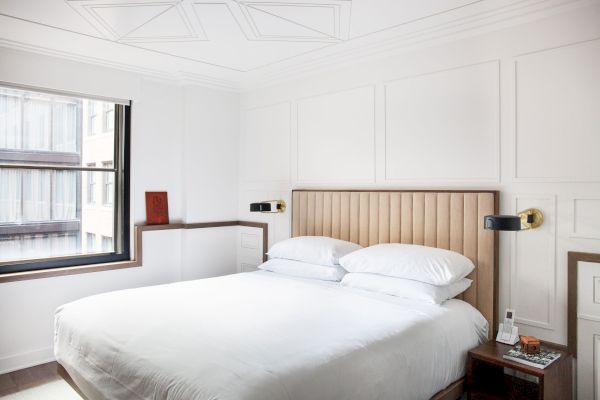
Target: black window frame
122 252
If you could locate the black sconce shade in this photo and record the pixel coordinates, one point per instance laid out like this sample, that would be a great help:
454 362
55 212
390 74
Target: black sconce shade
502 222
260 207
269 206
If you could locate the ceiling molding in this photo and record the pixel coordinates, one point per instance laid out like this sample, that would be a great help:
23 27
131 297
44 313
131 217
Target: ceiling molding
483 16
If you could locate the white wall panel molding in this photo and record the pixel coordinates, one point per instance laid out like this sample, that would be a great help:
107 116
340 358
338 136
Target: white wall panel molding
557 95
444 126
585 217
265 144
533 272
335 137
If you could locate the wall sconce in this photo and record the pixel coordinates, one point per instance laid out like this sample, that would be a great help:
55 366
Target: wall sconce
269 206
527 219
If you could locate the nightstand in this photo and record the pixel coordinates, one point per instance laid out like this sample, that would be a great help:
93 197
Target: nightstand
491 377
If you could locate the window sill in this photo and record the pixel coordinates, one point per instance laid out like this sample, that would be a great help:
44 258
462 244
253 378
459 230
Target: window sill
81 269
139 229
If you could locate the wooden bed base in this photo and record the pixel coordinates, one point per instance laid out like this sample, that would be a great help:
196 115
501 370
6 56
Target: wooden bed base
453 392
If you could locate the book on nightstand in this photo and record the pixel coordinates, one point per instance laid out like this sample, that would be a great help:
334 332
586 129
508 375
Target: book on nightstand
541 360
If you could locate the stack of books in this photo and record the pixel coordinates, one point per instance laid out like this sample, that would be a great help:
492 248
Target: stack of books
538 360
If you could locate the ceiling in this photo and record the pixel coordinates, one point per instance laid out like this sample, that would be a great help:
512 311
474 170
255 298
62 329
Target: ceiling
227 42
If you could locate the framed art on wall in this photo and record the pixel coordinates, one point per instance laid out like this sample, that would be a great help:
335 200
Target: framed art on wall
157 208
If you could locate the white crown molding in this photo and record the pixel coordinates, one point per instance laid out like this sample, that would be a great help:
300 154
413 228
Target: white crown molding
424 33
484 16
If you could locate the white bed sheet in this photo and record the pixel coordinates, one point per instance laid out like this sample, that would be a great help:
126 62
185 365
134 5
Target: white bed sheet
263 336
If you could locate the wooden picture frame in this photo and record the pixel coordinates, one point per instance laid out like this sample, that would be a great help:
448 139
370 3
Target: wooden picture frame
157 208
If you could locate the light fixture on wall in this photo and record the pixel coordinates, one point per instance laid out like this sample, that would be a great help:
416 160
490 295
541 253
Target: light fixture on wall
268 206
526 219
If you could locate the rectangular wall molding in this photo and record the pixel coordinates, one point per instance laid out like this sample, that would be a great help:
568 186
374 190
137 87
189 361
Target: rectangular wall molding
555 138
464 126
533 265
335 140
585 212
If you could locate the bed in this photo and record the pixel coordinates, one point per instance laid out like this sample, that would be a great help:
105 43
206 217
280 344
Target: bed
266 336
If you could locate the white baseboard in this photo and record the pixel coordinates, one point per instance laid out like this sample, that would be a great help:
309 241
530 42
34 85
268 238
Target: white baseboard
26 360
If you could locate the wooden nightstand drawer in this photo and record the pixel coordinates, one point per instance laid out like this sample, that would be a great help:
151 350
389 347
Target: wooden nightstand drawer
491 377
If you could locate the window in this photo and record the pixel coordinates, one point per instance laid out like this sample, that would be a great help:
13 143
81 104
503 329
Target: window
91 184
50 163
109 118
93 119
107 244
90 242
108 184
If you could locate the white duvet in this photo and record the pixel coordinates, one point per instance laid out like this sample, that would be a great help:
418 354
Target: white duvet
262 336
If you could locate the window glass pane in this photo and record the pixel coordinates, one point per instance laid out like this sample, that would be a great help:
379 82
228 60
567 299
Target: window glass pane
64 126
41 215
98 141
36 134
36 187
107 244
10 119
56 129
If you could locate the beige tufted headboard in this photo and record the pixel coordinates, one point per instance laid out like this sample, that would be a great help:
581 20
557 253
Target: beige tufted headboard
446 219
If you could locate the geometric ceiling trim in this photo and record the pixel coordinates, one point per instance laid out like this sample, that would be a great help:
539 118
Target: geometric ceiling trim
118 20
270 26
171 25
193 8
139 22
299 15
322 18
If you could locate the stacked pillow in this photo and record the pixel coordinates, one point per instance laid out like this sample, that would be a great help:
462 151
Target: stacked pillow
403 270
408 271
315 257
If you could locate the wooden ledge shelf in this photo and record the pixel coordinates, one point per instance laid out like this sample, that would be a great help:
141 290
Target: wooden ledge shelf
137 250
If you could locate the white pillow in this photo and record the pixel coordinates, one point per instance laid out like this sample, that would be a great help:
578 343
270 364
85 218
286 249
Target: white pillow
406 288
408 261
313 249
304 270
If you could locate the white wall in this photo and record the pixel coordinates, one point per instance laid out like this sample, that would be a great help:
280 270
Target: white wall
184 141
514 110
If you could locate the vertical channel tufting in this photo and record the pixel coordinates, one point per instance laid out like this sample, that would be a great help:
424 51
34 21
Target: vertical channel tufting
303 212
470 242
406 218
310 214
395 217
335 215
418 218
443 220
363 233
319 213
373 218
327 214
345 216
457 222
296 217
354 216
430 225
384 217
485 259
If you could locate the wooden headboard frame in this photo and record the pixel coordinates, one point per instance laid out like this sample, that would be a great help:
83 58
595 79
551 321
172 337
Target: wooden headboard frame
449 219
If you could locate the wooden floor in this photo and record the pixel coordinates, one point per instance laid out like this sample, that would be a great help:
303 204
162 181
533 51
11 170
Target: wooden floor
23 379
